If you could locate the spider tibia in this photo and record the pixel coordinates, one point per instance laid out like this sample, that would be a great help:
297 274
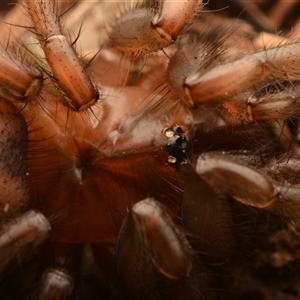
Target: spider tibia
245 73
56 283
149 235
21 237
67 70
230 78
243 183
69 73
162 239
18 80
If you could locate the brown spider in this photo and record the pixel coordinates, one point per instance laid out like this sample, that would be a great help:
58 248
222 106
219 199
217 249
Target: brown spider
156 167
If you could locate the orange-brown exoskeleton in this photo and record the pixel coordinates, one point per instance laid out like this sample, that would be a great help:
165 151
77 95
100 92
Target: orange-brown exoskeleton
148 150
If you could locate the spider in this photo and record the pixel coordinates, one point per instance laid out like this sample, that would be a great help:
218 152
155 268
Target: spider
163 165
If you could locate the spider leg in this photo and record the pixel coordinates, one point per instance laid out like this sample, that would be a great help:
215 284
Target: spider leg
250 186
151 250
172 17
234 77
22 237
144 30
221 194
56 283
14 196
272 106
227 176
67 70
196 69
206 210
18 81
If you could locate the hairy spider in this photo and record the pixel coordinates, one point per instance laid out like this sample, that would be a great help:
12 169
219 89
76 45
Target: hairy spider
149 150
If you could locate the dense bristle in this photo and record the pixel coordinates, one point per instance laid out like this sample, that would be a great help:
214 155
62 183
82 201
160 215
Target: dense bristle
179 117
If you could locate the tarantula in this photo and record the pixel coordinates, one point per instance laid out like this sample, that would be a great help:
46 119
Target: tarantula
159 160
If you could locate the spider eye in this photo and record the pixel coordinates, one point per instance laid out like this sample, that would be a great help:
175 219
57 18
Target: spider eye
177 146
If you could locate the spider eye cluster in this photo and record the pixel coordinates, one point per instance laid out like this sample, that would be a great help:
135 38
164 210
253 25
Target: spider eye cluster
177 146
